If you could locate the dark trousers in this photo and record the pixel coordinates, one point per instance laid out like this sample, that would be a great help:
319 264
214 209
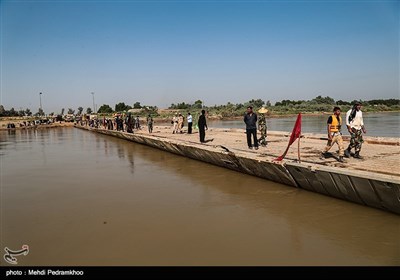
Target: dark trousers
190 128
249 133
202 132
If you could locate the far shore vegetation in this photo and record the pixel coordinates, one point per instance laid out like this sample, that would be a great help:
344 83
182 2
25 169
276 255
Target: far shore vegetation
317 105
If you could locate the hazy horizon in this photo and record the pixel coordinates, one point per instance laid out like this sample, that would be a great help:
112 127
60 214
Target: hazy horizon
163 52
17 108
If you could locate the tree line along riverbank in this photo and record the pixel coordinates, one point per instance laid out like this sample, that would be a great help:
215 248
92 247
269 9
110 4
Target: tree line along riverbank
316 106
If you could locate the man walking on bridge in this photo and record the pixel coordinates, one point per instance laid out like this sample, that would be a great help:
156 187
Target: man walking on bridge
334 134
355 126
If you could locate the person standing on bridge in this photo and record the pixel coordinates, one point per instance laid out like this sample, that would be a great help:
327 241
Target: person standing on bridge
137 123
250 119
202 124
129 121
174 122
190 123
355 126
262 127
334 135
181 120
150 123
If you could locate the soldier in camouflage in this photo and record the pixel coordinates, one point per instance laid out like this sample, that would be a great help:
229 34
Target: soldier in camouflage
262 126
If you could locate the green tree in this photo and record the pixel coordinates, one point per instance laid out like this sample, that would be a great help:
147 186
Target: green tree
182 105
12 112
62 111
387 102
71 111
341 102
28 112
137 105
88 110
323 100
255 103
40 112
198 104
2 111
105 109
122 107
80 109
239 106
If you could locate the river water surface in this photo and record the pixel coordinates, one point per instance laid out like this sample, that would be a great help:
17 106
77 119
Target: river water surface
79 198
377 124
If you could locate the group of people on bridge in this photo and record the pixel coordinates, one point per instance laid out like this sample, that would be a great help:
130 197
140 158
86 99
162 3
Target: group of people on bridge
355 126
354 123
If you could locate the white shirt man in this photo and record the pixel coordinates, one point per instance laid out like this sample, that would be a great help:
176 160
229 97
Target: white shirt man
190 123
356 128
357 122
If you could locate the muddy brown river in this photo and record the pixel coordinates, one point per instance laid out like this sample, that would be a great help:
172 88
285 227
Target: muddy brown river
80 198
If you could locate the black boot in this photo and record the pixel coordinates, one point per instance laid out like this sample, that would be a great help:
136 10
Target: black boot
340 159
357 155
347 153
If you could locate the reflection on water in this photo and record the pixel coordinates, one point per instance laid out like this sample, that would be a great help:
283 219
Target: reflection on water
377 124
78 198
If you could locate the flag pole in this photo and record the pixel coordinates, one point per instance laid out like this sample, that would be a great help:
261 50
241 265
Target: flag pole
296 133
298 148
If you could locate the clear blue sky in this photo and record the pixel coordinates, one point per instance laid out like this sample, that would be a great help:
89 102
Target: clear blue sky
163 52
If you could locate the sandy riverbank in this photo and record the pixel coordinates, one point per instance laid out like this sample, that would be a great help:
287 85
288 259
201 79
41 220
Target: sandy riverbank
3 124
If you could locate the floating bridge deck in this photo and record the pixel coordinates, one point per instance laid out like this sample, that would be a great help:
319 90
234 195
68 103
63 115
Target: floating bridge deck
373 181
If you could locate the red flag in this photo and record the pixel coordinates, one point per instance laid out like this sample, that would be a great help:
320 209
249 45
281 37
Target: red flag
296 132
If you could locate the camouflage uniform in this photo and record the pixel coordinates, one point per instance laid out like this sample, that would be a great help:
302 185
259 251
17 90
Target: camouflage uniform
262 126
356 139
355 125
150 123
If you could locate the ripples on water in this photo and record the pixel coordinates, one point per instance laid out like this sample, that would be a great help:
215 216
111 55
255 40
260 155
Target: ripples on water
79 198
